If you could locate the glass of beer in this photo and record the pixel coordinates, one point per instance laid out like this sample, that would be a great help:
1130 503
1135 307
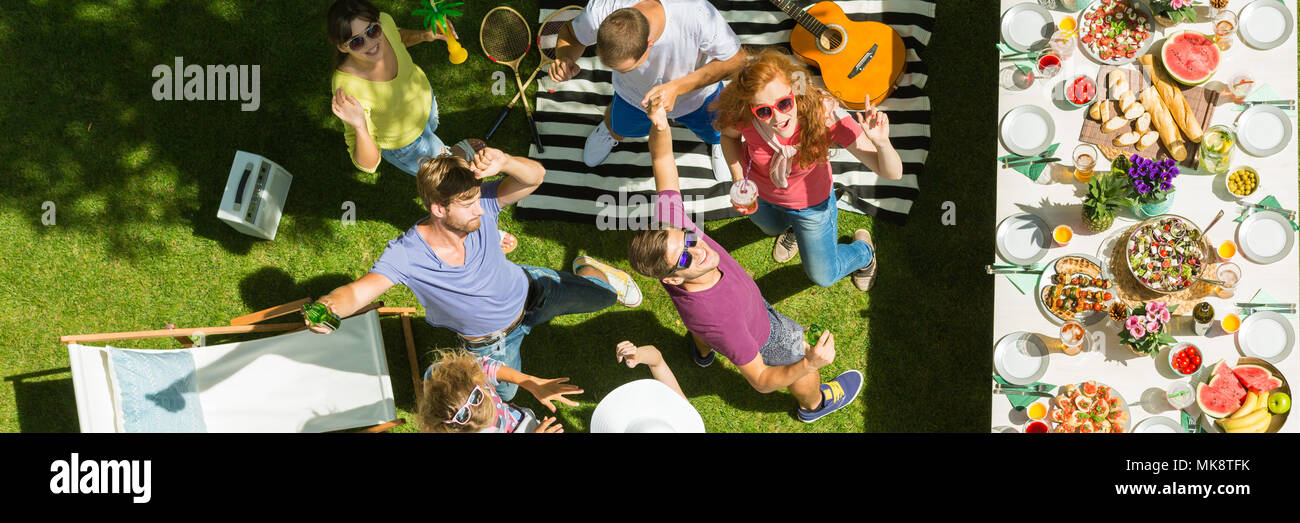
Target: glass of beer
1072 337
744 197
1085 160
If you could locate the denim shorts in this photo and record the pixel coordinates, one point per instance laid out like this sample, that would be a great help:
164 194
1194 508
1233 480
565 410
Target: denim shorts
407 158
785 345
630 121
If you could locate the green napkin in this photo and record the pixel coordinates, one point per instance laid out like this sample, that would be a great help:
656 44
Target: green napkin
1033 171
1270 201
1264 297
1026 283
1019 401
1189 421
1026 66
1264 92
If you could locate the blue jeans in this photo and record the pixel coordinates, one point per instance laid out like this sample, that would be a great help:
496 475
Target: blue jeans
559 293
816 228
408 157
630 121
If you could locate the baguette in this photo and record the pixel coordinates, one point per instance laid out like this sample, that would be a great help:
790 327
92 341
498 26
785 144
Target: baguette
1143 122
1179 109
1095 110
1164 123
1114 124
1117 81
1127 139
1147 140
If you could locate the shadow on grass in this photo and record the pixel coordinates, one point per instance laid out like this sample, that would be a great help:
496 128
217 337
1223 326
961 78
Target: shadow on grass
930 312
45 405
90 137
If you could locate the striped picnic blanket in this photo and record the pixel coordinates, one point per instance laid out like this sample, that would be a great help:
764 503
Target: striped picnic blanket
619 188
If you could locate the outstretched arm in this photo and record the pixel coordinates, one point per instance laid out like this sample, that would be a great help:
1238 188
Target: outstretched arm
524 175
662 161
544 390
347 299
650 356
873 147
767 379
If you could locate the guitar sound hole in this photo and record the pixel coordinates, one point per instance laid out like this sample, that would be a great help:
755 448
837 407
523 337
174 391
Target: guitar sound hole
831 39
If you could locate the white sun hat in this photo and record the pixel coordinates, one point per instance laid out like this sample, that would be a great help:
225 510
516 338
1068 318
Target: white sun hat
645 406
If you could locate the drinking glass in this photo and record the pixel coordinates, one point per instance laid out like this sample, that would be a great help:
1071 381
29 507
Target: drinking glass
1225 23
1049 64
1239 86
1180 395
1072 337
1012 78
1216 149
1230 274
1085 159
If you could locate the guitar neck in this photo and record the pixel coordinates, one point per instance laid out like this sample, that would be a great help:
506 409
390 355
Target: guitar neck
800 16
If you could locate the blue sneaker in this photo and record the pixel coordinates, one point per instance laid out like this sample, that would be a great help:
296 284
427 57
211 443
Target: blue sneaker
839 392
702 361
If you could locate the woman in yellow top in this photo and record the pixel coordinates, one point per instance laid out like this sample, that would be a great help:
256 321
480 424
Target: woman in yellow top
384 99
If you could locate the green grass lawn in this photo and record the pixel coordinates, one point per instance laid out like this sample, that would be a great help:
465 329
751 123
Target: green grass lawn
136 183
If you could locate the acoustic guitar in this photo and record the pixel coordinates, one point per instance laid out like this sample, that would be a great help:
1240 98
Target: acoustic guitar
855 58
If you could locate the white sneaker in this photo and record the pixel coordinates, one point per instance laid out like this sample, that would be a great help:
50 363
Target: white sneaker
599 144
721 172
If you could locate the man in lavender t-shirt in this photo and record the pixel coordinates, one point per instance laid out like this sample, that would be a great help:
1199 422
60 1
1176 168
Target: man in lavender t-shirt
722 307
453 263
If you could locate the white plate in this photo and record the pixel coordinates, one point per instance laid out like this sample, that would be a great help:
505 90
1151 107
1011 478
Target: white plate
1024 24
1142 49
1159 425
1265 24
1022 238
1267 336
1265 237
1020 358
1263 130
1027 130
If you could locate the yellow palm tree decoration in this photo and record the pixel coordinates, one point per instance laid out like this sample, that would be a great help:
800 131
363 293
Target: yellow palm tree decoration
435 17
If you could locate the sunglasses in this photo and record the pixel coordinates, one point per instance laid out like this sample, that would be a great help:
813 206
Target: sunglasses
685 260
765 112
372 32
463 414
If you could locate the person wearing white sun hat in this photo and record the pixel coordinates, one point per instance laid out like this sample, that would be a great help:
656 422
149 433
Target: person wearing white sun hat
647 405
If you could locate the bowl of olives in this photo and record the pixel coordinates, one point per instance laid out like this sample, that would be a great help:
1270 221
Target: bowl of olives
1242 181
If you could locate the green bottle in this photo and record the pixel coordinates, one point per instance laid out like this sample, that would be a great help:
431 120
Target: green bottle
1203 314
813 334
318 314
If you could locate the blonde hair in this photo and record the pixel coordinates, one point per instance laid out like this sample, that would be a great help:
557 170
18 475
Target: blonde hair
454 377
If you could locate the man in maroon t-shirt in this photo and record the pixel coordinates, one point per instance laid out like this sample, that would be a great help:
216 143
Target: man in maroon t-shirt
722 307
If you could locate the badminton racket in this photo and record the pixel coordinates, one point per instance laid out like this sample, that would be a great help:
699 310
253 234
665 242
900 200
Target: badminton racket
505 38
547 39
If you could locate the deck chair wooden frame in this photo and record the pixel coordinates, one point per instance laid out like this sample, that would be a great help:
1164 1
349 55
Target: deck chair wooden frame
250 323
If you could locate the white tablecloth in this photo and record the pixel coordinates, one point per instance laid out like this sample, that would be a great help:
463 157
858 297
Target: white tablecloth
1058 199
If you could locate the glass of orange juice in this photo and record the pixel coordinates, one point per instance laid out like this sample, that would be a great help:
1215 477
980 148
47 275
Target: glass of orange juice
1230 323
1062 234
1227 250
1036 410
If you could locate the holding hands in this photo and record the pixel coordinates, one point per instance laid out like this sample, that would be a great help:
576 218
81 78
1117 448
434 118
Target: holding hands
875 124
488 162
658 115
664 95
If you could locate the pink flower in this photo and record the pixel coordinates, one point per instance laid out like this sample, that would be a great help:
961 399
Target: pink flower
1137 331
1152 315
1132 321
1164 316
1179 4
1156 306
1153 327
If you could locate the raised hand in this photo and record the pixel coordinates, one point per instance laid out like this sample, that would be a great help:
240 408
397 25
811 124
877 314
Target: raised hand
554 389
348 109
658 115
488 162
663 94
875 123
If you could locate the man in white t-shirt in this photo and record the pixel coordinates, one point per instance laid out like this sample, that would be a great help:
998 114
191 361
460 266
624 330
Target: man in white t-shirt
672 52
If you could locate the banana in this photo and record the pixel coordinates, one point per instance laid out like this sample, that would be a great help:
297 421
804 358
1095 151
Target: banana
1260 427
1247 406
1249 420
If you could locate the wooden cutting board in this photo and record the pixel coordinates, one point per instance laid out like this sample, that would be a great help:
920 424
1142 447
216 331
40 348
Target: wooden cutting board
1201 99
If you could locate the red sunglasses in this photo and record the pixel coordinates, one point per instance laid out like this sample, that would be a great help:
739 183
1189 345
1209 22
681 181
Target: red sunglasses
765 112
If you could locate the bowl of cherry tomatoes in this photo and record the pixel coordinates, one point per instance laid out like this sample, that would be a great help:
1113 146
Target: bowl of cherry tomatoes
1185 359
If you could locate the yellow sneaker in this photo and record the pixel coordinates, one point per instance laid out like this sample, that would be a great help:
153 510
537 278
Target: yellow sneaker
629 294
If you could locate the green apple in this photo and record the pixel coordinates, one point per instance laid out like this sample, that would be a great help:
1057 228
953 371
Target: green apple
1279 403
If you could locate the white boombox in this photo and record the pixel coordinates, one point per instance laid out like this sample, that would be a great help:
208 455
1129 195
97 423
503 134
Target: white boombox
254 196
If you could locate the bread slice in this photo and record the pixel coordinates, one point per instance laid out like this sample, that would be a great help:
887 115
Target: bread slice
1129 138
1114 124
1148 139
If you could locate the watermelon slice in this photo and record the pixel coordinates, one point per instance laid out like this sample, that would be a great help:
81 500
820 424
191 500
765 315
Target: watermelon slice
1256 378
1214 402
1190 57
1230 385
